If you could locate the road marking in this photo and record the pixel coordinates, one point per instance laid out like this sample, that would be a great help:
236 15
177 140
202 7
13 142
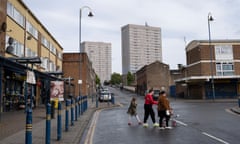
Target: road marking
92 127
181 123
215 138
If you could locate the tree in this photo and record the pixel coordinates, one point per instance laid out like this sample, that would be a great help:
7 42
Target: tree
98 81
116 78
130 78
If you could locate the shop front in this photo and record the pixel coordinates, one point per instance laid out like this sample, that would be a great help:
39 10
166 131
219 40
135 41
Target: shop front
15 93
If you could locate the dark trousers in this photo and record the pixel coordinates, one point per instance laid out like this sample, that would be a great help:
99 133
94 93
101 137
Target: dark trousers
148 111
162 115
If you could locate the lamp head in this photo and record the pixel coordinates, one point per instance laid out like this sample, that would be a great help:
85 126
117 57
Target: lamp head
90 14
210 17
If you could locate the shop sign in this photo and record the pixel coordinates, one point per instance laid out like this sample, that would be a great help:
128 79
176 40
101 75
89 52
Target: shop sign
31 77
57 90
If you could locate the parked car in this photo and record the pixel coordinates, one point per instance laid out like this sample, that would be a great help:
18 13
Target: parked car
156 94
105 96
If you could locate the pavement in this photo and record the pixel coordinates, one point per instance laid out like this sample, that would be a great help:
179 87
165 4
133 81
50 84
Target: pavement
12 125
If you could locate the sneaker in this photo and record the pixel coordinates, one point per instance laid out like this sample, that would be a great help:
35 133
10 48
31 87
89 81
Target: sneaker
140 123
145 125
168 127
155 125
129 123
161 128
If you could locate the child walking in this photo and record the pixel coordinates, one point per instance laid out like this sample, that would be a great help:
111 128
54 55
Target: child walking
132 111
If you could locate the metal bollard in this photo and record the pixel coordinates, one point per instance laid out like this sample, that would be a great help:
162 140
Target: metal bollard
59 122
96 101
83 102
67 115
79 106
82 106
28 135
113 100
53 109
72 112
76 109
86 102
48 124
239 101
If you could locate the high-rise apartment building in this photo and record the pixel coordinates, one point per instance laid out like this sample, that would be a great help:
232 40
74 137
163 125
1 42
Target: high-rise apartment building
100 53
141 45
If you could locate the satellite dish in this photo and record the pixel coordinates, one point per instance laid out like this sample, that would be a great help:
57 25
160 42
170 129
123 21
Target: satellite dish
3 27
10 40
9 49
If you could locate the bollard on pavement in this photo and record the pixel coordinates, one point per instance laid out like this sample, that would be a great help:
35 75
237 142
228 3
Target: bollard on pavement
239 101
113 100
48 124
86 102
72 112
96 101
76 109
59 121
53 109
82 105
28 135
79 106
67 115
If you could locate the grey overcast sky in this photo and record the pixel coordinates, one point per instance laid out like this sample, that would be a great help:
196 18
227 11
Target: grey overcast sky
181 21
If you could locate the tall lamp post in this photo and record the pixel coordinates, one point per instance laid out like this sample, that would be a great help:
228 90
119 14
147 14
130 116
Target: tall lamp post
210 18
90 14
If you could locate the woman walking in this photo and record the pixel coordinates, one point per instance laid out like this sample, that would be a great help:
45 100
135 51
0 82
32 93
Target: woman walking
164 110
148 110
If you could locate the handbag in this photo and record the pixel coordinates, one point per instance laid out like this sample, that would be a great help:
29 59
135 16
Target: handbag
167 112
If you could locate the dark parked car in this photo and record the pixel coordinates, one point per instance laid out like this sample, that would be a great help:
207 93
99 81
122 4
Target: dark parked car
156 94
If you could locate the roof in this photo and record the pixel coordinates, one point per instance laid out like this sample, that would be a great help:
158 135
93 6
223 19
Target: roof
193 44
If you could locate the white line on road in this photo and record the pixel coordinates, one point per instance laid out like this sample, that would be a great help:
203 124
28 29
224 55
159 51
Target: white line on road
181 123
215 138
92 127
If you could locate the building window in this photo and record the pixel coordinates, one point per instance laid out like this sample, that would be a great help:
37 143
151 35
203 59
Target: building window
30 53
44 63
223 52
59 54
18 48
32 30
15 14
224 69
45 42
223 49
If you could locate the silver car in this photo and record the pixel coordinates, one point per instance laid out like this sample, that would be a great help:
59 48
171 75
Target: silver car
105 96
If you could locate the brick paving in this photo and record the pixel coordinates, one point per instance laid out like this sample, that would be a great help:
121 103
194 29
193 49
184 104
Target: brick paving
12 126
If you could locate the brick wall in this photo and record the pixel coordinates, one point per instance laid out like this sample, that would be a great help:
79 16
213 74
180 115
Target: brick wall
71 68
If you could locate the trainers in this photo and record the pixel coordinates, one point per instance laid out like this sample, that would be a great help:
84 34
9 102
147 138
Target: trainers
145 125
161 128
168 127
129 124
140 123
155 125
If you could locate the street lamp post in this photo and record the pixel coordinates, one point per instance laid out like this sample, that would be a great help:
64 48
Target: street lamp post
90 14
210 18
